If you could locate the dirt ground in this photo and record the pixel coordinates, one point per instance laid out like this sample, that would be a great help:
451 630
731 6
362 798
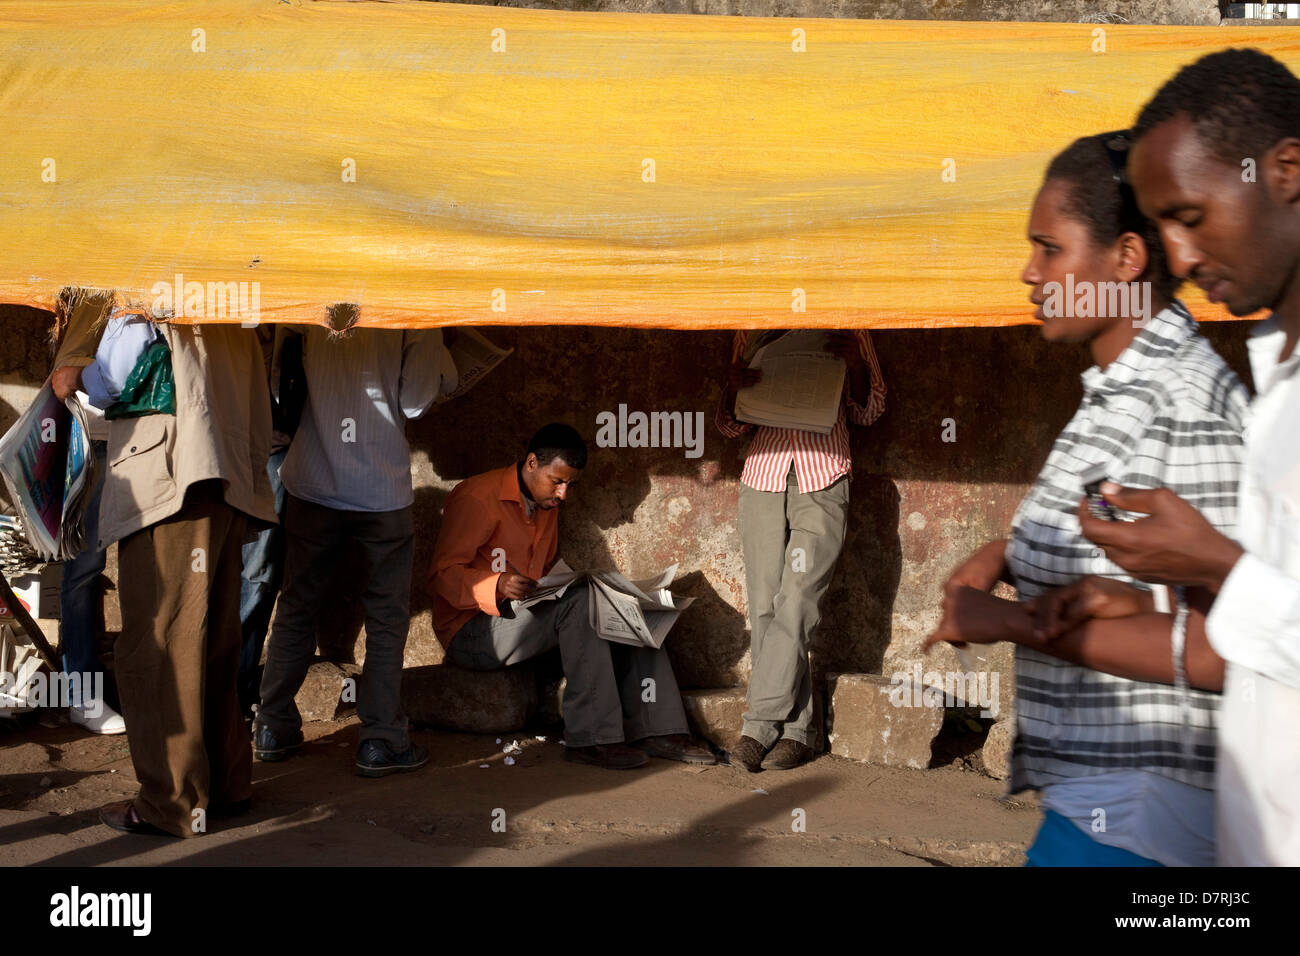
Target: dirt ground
313 810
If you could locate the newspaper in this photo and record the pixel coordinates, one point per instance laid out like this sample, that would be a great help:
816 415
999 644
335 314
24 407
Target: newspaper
801 387
474 356
640 613
48 466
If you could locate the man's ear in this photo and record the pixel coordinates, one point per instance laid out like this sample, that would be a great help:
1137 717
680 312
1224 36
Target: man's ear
530 462
1282 170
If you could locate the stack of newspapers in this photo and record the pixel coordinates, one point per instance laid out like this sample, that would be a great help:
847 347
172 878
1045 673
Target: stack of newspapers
49 468
801 384
640 613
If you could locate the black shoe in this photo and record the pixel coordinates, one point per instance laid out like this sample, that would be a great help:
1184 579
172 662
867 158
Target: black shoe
376 758
270 748
609 756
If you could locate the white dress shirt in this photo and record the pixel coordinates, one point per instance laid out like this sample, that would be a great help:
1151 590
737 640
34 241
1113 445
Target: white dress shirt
1255 626
350 451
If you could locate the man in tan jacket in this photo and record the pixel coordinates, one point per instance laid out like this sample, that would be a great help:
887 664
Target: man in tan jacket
180 493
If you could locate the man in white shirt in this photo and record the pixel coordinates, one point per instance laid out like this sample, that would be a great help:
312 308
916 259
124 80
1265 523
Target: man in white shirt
1216 163
348 474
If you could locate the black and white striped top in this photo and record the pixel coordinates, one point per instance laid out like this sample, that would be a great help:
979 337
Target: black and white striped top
1168 412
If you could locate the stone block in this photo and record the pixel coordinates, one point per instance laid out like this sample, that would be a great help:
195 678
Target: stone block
716 715
472 702
550 707
997 749
321 694
866 722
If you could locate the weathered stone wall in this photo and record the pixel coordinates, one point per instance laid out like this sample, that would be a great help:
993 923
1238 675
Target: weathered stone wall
918 506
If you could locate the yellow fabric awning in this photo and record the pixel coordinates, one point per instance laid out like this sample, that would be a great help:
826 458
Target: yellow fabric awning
503 158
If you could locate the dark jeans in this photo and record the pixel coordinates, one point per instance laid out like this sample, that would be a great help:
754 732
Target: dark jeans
318 537
80 597
259 586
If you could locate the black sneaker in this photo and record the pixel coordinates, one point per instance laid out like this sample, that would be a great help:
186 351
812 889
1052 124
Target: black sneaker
270 748
376 758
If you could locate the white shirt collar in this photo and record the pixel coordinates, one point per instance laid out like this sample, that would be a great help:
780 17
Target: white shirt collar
1264 345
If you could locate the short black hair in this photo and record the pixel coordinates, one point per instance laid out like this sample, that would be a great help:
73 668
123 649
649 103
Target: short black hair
560 441
1107 208
1240 102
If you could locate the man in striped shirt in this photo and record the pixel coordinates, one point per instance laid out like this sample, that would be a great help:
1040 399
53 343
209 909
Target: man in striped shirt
794 502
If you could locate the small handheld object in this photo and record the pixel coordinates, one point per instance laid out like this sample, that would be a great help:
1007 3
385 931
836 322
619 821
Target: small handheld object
1098 506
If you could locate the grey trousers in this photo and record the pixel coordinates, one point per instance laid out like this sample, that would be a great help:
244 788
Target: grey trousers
317 537
606 698
791 543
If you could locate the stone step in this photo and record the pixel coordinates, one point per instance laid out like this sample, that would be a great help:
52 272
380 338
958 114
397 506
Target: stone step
872 719
473 702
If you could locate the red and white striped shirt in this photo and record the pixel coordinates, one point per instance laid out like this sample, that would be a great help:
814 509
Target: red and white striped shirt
819 460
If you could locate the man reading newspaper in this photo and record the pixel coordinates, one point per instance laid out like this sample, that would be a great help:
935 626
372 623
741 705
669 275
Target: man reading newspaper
499 535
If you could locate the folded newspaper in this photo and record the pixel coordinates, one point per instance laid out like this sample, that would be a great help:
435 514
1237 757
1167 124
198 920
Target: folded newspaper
801 386
48 466
474 356
640 613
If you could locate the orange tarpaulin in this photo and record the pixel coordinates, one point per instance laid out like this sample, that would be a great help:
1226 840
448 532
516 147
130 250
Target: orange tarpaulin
441 164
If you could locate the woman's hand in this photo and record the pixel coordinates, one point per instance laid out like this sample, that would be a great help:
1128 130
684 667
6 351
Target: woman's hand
1065 608
972 616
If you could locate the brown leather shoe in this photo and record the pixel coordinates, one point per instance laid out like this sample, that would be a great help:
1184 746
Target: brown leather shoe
681 747
749 754
122 816
787 754
609 756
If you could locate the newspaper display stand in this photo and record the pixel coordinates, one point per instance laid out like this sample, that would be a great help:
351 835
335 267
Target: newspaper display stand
24 622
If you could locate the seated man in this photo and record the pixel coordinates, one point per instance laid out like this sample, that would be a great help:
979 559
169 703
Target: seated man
499 534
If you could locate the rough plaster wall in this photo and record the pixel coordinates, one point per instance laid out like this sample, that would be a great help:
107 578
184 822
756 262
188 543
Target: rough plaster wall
918 506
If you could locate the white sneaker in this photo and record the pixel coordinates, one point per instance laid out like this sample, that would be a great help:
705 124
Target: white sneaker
108 720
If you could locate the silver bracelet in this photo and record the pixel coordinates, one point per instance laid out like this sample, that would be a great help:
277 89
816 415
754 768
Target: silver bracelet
1178 644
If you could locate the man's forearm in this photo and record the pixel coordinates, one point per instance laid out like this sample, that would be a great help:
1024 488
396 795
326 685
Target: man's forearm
859 383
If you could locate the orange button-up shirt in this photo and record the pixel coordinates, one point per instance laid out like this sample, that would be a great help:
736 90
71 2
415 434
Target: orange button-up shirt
483 514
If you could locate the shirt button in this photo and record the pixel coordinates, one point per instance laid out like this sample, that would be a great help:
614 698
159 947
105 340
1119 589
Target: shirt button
133 449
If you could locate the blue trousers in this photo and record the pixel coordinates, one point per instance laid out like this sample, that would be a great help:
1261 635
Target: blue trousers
259 586
80 597
1061 843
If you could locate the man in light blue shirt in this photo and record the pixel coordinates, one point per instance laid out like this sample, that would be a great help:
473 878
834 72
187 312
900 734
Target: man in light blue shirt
348 475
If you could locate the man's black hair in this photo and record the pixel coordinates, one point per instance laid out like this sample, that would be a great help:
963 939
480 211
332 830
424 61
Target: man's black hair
1094 198
559 441
1240 102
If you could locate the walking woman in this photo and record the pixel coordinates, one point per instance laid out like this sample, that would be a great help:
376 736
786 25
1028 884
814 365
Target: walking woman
1107 727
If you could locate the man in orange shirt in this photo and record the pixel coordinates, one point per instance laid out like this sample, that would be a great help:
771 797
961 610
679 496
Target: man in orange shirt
499 535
